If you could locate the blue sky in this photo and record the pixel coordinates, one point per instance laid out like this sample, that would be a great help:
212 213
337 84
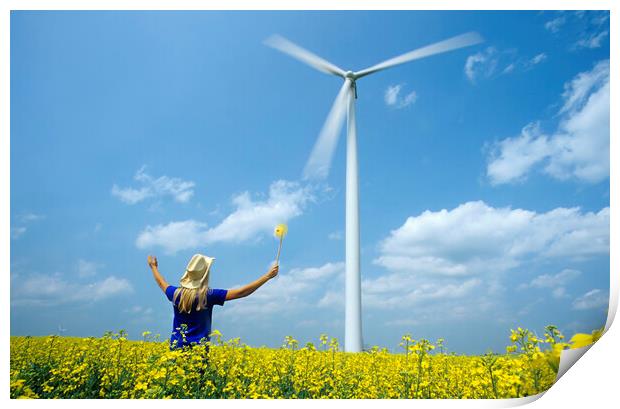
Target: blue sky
484 172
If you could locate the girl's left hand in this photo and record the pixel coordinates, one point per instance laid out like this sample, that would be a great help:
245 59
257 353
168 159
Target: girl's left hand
152 261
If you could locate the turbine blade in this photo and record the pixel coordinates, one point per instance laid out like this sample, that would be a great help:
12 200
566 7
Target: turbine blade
282 44
320 159
460 41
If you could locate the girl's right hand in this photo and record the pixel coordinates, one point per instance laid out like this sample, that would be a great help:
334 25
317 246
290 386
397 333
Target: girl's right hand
273 271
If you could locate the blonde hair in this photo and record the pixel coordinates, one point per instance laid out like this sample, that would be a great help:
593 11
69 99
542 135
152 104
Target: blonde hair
187 296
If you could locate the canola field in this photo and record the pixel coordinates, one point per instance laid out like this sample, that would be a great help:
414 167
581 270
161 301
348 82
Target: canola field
115 367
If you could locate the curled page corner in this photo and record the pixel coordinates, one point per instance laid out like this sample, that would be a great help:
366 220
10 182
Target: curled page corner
568 358
613 304
523 401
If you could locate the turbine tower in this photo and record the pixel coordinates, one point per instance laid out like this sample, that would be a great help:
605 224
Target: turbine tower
320 159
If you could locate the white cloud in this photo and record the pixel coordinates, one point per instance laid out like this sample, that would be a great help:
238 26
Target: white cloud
173 236
452 262
556 24
555 282
31 217
592 40
407 322
286 200
27 218
139 309
397 297
421 264
141 315
409 99
332 298
391 94
250 219
592 299
537 59
336 235
481 64
487 63
600 18
509 68
52 289
180 190
107 288
292 291
588 29
579 147
578 91
392 97
130 195
17 232
475 237
87 268
512 158
396 291
559 292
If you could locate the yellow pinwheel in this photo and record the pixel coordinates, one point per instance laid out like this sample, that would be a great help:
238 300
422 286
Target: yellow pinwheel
280 231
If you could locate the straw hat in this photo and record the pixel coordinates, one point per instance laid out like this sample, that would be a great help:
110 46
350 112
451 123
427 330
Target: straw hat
197 271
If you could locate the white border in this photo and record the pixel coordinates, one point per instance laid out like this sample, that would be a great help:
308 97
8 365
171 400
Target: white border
592 385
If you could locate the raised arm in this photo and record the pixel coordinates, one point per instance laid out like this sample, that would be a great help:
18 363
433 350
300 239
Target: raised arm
253 286
161 282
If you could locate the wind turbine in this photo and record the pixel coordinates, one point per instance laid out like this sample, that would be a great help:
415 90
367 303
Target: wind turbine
320 159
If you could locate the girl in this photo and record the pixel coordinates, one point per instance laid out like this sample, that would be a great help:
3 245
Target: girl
193 301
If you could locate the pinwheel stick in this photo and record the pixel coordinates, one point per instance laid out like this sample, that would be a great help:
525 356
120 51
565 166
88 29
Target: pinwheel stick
279 248
280 232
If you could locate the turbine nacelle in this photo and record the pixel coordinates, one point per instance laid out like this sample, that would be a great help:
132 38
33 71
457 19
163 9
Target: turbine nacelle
351 77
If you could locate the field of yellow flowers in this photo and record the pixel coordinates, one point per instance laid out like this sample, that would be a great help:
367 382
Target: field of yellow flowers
115 367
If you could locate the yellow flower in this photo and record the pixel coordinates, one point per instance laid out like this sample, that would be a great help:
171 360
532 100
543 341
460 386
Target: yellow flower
280 230
141 386
137 369
514 336
582 340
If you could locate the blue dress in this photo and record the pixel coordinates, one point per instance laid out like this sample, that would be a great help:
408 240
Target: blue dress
197 324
